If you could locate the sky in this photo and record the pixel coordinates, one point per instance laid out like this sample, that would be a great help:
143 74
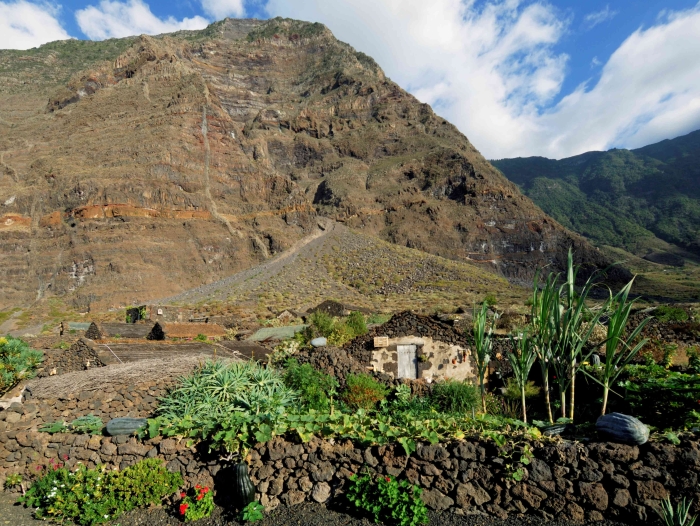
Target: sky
519 78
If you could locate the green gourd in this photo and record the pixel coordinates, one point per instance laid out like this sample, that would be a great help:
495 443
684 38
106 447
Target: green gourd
625 429
125 425
244 491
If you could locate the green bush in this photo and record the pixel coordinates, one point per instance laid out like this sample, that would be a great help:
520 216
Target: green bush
17 362
512 391
96 495
322 322
667 313
387 500
454 397
363 392
356 323
315 387
490 300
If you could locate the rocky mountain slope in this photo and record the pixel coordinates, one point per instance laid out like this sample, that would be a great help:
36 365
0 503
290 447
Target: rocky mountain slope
142 167
646 201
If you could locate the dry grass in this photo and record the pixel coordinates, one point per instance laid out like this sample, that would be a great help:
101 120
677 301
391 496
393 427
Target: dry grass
113 376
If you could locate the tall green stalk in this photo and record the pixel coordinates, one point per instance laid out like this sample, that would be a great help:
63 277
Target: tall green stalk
543 330
569 339
615 361
521 359
482 346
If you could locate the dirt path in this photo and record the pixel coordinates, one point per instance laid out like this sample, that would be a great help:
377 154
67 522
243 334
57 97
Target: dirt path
254 276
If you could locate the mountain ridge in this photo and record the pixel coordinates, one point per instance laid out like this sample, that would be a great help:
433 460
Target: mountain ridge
147 166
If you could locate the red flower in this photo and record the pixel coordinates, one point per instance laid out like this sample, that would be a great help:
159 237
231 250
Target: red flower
387 479
199 497
38 468
206 489
198 487
65 457
183 508
183 494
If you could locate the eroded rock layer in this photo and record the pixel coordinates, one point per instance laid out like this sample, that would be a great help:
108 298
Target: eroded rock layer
152 165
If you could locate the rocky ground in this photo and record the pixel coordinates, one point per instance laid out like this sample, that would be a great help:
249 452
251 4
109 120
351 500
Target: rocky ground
306 514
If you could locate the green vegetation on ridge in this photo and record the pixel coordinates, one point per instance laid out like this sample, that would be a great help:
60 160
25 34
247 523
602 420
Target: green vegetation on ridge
622 198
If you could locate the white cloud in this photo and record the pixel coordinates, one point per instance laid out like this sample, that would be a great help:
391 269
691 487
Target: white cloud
492 69
598 17
114 19
25 25
595 62
223 8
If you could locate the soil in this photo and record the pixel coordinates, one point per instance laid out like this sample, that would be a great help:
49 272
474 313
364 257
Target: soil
304 514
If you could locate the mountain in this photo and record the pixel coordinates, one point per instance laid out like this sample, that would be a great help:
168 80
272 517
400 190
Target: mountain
142 167
646 201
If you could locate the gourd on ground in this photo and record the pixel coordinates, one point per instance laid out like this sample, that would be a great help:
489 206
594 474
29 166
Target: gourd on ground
625 429
244 491
125 425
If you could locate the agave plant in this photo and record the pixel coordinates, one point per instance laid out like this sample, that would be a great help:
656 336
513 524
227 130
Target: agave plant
678 516
218 389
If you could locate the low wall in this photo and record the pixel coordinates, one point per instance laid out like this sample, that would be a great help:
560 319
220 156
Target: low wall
565 479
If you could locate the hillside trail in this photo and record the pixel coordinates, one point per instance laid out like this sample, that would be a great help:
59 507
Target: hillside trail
255 276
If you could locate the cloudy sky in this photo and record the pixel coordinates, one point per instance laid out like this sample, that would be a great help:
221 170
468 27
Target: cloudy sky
518 77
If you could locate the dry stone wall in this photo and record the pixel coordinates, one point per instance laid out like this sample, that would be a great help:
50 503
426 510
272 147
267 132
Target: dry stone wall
565 479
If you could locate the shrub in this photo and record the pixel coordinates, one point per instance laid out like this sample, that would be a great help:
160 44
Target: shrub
17 362
322 322
356 323
455 397
252 512
93 496
667 313
363 391
512 391
387 500
201 338
490 300
693 354
89 424
316 388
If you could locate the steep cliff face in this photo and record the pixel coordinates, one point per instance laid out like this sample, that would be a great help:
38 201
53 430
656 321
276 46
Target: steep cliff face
172 161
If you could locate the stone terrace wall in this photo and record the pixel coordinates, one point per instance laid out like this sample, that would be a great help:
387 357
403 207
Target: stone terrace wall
565 479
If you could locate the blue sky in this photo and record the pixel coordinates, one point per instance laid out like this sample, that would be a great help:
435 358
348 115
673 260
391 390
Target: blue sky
518 77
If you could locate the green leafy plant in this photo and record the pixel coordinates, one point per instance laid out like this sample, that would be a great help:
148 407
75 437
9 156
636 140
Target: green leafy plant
454 397
12 480
315 387
356 322
96 495
17 362
678 515
54 427
512 389
201 338
666 313
543 331
387 500
197 503
516 455
490 300
619 352
481 331
89 424
253 512
521 358
363 391
693 354
669 350
322 322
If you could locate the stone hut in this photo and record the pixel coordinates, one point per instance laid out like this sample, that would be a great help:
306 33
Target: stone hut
412 346
162 331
